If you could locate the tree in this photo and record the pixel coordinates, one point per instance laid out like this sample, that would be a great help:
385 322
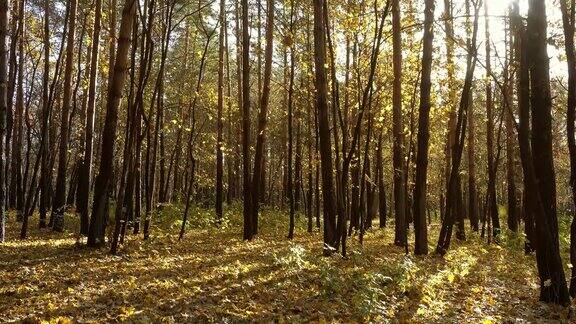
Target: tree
472 193
568 24
512 221
45 117
491 194
329 214
104 179
248 220
3 108
84 177
420 225
262 118
219 122
552 280
60 198
290 157
397 129
16 189
453 195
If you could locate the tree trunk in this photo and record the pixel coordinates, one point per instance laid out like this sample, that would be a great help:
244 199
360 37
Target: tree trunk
45 117
16 186
453 211
290 157
541 176
420 226
382 208
3 108
219 122
248 223
400 236
59 204
512 221
84 178
262 119
103 182
472 194
450 100
324 127
568 24
491 197
13 67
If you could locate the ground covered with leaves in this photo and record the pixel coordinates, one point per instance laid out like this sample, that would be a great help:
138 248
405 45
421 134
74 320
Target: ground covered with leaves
212 275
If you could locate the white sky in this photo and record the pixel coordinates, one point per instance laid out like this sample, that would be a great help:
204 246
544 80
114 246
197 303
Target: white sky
498 12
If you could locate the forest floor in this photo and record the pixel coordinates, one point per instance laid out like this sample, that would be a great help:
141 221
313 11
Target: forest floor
212 275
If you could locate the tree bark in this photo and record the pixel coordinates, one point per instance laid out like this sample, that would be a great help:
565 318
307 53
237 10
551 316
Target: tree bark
219 122
59 204
568 24
44 152
84 178
452 212
248 223
103 182
541 177
472 193
3 108
16 191
400 234
491 196
324 128
423 137
512 221
262 119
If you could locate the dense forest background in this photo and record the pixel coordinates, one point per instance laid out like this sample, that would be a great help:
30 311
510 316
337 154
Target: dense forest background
424 148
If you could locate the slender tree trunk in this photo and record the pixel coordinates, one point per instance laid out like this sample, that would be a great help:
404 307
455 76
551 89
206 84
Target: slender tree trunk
568 24
324 127
523 94
219 122
491 197
397 130
103 182
231 190
382 208
13 67
239 96
472 194
158 97
552 280
44 177
450 100
290 156
248 219
453 211
3 108
311 158
84 179
60 198
262 119
16 191
420 189
298 161
512 221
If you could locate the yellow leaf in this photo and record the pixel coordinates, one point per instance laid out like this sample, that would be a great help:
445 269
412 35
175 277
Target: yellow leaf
127 311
